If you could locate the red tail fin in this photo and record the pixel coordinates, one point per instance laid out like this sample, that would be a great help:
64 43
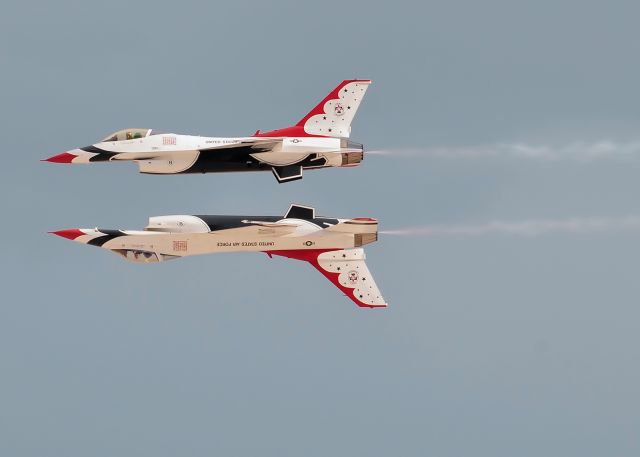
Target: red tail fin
346 269
332 116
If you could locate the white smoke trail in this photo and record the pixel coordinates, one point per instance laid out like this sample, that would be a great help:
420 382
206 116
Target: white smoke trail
529 228
580 151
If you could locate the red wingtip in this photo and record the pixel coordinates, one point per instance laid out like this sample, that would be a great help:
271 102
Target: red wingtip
70 234
65 157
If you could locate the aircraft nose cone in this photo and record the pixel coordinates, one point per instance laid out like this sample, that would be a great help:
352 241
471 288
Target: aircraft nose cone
70 234
65 157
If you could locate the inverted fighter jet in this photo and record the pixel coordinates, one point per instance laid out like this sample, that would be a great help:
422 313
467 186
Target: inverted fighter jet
332 246
318 140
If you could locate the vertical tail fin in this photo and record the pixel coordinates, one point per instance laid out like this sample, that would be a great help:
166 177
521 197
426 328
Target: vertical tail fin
333 115
346 269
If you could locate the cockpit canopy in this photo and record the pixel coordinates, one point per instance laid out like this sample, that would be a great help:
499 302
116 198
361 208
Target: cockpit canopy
128 134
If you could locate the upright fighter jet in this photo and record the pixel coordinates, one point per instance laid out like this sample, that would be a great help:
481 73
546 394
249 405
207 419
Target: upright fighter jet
320 139
332 246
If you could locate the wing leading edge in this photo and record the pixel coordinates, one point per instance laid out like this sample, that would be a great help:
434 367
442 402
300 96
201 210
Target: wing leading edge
346 269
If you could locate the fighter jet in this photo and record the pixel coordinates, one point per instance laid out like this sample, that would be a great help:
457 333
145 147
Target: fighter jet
332 246
319 140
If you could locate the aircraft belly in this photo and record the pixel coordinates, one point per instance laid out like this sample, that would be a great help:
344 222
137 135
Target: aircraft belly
209 162
280 158
187 244
169 164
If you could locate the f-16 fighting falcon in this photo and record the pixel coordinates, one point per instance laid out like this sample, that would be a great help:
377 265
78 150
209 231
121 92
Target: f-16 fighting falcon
332 246
320 139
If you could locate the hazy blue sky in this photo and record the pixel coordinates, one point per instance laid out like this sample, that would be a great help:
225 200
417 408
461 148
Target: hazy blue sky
494 345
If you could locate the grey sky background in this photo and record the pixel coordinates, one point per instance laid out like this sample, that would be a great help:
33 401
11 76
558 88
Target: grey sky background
493 345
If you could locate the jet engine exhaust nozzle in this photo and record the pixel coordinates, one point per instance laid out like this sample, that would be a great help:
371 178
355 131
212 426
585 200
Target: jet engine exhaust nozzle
352 153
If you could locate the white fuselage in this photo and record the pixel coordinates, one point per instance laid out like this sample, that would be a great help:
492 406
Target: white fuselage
172 153
319 140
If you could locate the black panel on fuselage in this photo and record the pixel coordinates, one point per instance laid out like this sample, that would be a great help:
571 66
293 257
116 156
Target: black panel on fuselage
239 159
102 155
108 236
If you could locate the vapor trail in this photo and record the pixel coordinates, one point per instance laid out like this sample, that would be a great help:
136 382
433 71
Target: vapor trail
581 151
529 228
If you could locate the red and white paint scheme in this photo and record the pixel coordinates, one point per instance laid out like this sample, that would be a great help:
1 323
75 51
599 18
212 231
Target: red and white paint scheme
319 140
332 246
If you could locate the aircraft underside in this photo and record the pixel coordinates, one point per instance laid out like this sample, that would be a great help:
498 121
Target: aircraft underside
285 166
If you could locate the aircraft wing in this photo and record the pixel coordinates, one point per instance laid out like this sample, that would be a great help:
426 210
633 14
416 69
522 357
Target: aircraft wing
258 228
252 145
269 224
346 269
247 147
